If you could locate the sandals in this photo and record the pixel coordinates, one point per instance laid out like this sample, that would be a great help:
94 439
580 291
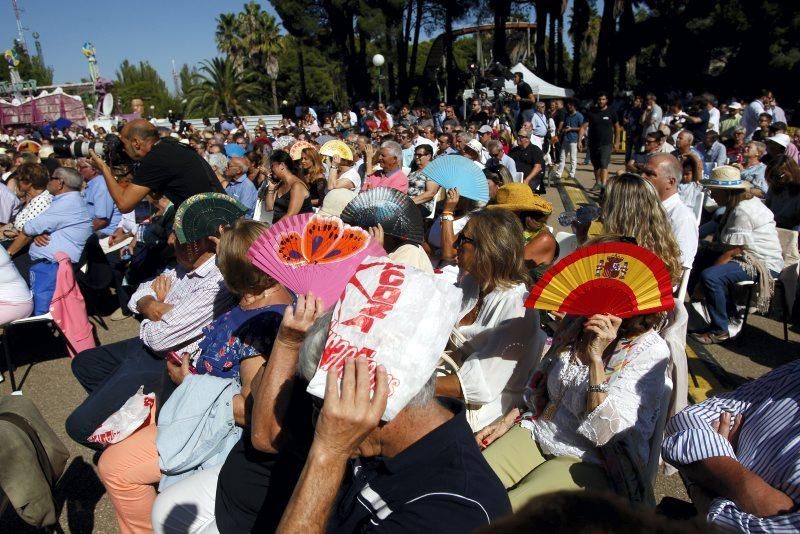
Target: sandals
711 338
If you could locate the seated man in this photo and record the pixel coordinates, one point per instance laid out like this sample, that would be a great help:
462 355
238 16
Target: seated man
176 306
421 471
652 145
390 158
740 454
105 214
63 227
239 185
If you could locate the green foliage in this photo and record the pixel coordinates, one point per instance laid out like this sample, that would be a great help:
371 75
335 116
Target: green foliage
218 87
29 68
143 81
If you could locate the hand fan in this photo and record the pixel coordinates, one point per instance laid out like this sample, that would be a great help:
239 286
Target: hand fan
458 171
296 151
620 279
336 148
282 142
311 252
390 208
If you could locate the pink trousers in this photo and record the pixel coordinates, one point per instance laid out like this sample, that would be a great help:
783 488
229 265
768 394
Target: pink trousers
129 471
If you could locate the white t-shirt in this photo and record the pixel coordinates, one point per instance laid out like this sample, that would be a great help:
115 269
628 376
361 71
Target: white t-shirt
713 119
13 288
684 228
353 176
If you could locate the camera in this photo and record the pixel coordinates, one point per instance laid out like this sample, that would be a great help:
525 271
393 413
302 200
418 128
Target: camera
109 149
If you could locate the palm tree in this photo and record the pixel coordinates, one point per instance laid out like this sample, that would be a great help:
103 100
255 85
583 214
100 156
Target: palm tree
579 25
219 88
261 42
227 35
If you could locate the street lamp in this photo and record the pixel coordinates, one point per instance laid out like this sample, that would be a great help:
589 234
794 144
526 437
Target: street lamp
378 60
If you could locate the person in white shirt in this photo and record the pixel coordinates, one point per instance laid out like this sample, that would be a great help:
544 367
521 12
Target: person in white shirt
665 173
16 299
713 114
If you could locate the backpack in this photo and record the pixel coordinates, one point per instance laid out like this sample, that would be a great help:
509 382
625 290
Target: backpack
32 458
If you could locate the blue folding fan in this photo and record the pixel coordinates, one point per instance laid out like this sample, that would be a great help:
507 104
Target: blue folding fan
460 172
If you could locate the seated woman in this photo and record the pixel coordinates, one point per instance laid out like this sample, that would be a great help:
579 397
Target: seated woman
633 209
313 174
16 300
497 176
496 341
541 247
286 193
442 235
234 347
783 196
746 247
602 377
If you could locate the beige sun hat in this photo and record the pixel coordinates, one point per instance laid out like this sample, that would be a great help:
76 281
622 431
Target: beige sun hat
726 177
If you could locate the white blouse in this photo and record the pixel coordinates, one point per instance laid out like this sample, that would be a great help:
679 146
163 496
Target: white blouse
752 225
500 349
13 288
633 401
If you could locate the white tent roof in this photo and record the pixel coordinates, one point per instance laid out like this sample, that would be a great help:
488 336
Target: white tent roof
540 87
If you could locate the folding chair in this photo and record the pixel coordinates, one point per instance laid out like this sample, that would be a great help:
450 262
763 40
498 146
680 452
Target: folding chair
7 329
680 296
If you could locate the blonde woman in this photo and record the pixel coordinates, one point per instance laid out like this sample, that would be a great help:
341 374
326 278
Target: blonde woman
632 209
497 341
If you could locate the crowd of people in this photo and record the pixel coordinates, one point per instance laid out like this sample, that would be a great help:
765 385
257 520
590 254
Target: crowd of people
522 404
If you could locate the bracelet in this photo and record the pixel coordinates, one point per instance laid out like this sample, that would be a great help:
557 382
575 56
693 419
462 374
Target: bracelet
446 217
598 388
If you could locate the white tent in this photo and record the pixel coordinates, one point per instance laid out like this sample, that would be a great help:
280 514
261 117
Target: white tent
541 88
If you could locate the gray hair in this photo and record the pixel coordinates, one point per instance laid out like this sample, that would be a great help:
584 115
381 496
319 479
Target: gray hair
218 161
425 395
71 178
313 346
671 165
465 137
492 144
689 136
761 147
394 149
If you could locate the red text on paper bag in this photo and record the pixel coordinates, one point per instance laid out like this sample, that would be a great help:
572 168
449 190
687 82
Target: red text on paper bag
379 304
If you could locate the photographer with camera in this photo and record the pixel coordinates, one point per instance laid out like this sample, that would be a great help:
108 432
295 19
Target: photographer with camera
165 166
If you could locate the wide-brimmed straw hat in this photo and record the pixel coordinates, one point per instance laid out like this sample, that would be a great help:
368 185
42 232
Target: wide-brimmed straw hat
726 177
520 197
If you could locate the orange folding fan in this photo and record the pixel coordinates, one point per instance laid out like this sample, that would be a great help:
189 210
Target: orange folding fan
620 279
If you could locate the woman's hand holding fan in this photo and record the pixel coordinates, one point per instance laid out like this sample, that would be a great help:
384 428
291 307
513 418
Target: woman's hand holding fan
600 331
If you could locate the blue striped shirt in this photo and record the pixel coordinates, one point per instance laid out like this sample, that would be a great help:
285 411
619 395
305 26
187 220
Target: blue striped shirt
769 443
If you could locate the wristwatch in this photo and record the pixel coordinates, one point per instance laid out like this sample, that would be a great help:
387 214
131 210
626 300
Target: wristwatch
598 388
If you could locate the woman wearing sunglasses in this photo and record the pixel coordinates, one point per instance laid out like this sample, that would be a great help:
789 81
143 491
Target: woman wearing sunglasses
420 188
497 341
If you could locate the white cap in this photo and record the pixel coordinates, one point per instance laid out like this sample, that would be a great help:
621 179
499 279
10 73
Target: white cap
781 139
734 105
475 145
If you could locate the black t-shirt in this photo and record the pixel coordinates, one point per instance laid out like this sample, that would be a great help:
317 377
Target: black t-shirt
441 483
559 116
601 126
524 91
480 117
254 487
527 158
177 171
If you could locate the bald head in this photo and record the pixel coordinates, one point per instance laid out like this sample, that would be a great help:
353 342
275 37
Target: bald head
140 128
237 166
138 137
665 173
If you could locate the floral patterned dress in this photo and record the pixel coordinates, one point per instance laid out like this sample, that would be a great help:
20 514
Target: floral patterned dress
235 336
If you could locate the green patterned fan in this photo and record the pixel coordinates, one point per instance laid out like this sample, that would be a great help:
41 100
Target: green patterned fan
200 216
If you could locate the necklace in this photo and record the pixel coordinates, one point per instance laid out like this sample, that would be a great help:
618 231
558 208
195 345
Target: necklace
258 302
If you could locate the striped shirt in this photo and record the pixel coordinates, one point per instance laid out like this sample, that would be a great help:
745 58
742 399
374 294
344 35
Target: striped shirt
198 296
769 443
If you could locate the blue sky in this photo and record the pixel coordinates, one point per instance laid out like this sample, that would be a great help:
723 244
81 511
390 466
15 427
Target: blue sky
156 31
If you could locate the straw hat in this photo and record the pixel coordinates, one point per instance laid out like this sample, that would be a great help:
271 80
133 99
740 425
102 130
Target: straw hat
726 177
519 197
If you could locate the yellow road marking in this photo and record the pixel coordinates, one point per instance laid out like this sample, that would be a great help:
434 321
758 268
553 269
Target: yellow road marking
574 192
701 380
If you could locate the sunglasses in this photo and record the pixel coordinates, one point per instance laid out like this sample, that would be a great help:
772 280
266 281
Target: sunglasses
462 239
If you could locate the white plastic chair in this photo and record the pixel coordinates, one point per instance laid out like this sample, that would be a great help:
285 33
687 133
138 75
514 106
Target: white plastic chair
567 243
699 205
680 296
